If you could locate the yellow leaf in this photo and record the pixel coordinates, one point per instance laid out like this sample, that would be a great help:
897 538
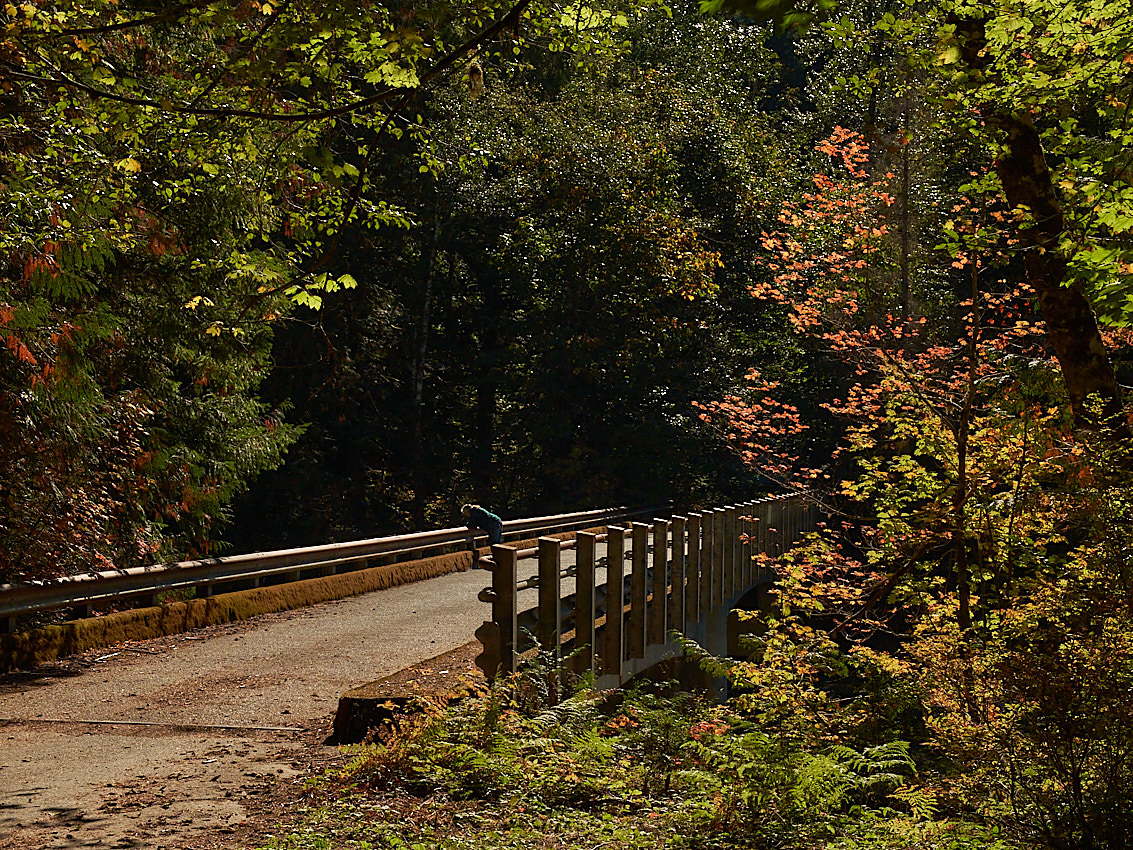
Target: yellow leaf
129 165
950 55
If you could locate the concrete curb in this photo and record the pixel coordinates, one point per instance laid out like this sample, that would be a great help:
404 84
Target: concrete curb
24 650
365 710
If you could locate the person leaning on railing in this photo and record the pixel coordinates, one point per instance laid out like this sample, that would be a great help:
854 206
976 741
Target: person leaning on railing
476 517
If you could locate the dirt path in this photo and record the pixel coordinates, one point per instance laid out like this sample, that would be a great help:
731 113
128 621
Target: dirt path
234 718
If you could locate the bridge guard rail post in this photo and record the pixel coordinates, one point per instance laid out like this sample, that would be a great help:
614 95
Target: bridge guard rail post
498 636
613 645
742 576
775 530
635 635
706 528
748 577
727 553
677 576
738 576
584 601
550 628
692 568
550 607
658 606
719 517
762 532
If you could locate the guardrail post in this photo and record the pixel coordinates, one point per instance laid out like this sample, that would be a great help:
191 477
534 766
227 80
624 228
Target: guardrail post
753 541
731 539
775 529
692 570
550 629
612 650
584 599
503 604
635 636
7 625
756 531
762 518
707 525
677 576
718 557
658 609
743 532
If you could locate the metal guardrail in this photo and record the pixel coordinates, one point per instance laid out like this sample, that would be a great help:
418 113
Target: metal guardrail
120 585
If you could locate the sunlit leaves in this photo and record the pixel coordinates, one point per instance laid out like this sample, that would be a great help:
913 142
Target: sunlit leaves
1067 69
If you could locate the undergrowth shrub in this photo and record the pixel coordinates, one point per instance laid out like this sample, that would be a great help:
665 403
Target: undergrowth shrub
1035 710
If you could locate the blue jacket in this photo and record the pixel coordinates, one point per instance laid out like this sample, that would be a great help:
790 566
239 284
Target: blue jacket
487 521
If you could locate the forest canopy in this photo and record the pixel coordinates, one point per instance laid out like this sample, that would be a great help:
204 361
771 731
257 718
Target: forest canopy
277 274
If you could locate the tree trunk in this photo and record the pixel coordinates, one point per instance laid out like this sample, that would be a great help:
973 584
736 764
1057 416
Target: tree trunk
1072 327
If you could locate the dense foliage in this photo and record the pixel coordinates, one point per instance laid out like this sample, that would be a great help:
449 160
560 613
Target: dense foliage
538 342
549 255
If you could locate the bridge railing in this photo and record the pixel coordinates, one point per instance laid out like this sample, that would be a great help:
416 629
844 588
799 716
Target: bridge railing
146 584
684 574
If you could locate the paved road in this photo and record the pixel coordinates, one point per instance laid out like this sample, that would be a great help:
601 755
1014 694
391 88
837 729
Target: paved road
69 784
77 768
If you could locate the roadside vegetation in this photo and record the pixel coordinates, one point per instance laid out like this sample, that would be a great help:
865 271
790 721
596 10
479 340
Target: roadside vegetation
856 720
276 274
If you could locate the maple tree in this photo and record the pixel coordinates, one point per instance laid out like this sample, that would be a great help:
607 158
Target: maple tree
965 500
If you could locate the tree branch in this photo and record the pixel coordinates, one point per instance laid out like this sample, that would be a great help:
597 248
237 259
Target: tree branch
508 21
172 13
